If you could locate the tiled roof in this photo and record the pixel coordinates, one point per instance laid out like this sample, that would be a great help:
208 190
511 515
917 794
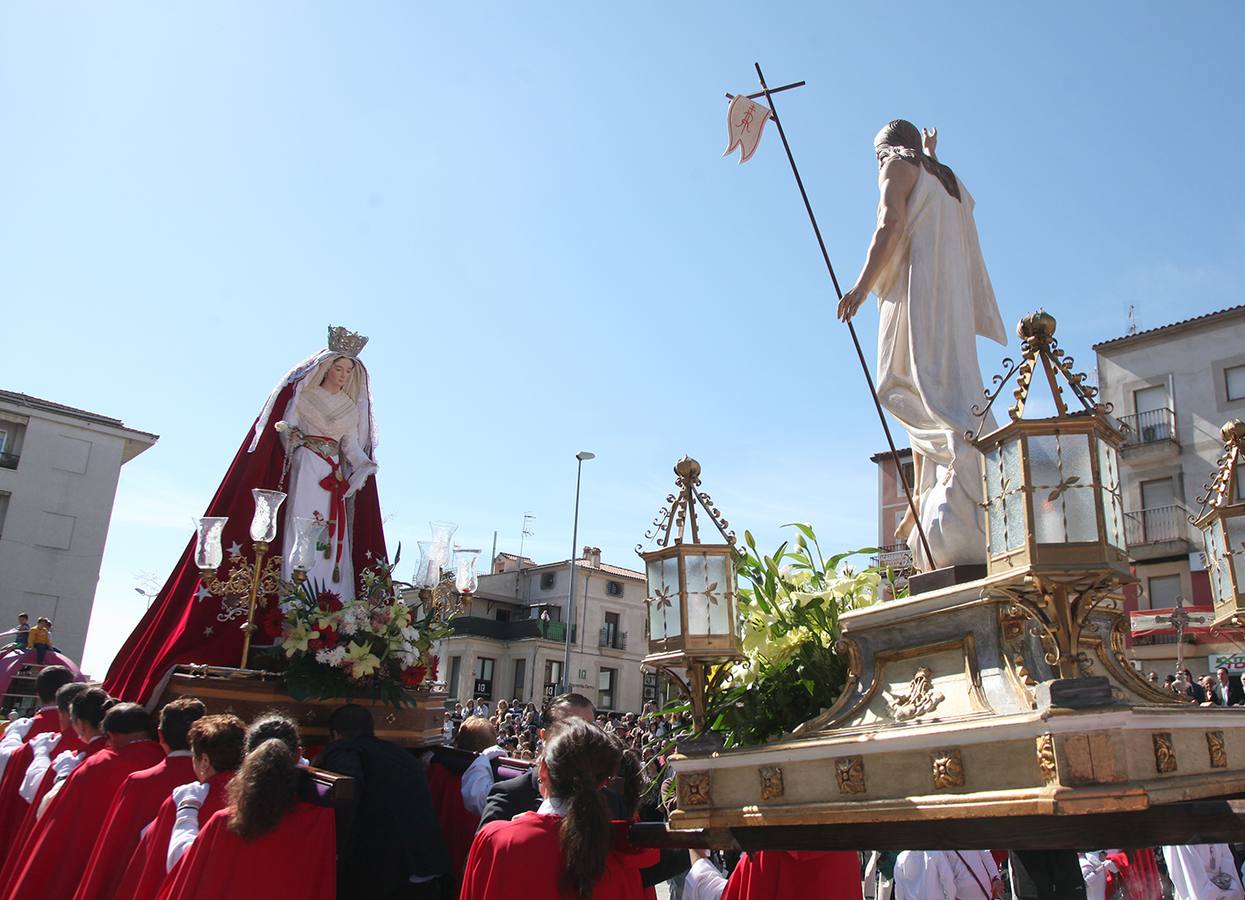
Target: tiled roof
1206 318
29 402
904 453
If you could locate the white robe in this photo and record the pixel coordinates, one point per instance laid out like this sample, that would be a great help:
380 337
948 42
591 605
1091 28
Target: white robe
924 875
317 412
934 299
1192 866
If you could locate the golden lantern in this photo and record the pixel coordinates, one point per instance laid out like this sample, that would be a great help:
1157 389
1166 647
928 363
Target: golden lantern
693 623
1222 523
1052 484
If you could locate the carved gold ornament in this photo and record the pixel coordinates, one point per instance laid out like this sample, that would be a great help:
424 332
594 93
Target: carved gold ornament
694 789
771 782
920 698
948 770
849 772
1217 749
1046 757
1164 753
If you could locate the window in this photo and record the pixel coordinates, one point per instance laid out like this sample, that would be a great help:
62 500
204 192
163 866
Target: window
456 667
909 474
553 677
1234 380
503 615
483 686
1163 591
1150 399
605 688
548 580
4 511
609 631
520 677
614 588
1161 519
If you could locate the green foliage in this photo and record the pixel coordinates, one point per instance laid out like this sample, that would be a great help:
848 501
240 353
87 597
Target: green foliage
790 626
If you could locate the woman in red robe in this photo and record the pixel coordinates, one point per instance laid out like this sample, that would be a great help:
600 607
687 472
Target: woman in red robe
566 848
793 875
216 746
267 842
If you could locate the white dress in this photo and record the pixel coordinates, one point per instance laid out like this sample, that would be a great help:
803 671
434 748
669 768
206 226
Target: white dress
934 299
319 413
1194 869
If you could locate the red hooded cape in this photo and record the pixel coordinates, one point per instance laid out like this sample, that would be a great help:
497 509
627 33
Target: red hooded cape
178 628
55 853
297 859
147 870
136 804
789 875
526 853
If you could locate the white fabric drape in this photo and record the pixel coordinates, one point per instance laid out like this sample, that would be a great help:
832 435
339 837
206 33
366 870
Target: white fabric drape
934 299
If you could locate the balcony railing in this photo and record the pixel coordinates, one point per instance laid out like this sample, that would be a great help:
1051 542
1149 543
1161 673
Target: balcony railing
894 556
1149 427
612 638
513 630
8 460
1156 526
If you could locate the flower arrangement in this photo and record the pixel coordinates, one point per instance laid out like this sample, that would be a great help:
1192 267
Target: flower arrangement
790 670
374 645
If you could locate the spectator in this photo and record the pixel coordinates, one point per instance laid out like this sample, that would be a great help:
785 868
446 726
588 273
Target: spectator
1227 692
1194 691
477 735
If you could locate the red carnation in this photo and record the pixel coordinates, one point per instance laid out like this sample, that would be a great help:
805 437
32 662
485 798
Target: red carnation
329 601
270 620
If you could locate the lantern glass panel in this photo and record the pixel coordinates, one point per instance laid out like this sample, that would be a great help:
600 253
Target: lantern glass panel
1044 475
1013 497
1112 508
664 605
1216 564
1079 509
994 501
1234 525
718 590
697 600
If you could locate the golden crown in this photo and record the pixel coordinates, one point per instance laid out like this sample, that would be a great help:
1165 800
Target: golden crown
346 342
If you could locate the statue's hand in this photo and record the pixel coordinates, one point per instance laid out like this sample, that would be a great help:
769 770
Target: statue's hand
851 302
929 141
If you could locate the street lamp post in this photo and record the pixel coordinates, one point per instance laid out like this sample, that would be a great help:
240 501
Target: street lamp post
570 593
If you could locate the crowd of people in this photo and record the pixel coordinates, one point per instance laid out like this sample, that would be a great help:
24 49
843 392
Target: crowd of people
1219 689
103 799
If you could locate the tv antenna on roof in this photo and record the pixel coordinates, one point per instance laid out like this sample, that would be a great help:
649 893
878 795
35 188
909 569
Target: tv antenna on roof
527 519
1132 319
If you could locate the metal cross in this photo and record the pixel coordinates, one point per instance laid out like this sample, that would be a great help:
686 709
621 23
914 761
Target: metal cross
1179 619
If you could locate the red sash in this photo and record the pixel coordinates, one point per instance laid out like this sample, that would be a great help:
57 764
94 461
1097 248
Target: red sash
336 486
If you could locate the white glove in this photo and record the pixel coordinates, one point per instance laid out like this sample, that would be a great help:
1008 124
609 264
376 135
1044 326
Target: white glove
41 746
16 732
1110 866
66 763
190 795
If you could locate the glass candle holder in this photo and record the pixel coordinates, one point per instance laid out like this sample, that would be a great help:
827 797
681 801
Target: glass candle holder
264 522
307 532
208 532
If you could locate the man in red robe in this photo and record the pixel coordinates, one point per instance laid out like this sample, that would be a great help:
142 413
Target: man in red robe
13 806
138 801
216 751
55 854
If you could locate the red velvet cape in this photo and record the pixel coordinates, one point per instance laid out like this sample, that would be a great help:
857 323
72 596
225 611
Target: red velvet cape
57 849
788 875
12 806
296 860
524 857
180 629
147 870
135 805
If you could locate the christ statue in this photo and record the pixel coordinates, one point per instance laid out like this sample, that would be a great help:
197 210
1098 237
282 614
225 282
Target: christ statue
934 297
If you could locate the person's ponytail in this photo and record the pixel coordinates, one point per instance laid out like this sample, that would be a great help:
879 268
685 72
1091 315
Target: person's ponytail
264 790
580 758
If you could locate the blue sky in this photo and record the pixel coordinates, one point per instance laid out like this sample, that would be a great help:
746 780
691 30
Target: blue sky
526 208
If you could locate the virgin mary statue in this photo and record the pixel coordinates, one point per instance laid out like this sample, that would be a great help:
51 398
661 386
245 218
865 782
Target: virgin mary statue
321 452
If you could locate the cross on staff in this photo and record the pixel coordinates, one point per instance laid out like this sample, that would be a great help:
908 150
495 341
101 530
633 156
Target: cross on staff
1179 619
768 94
